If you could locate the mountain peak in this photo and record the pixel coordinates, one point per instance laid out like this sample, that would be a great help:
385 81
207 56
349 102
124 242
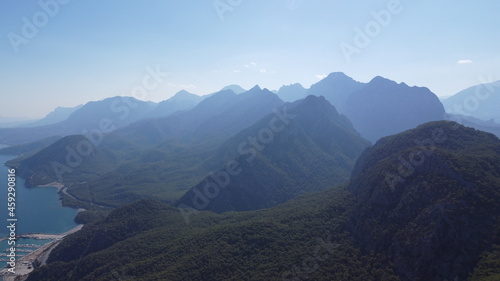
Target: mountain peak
292 92
292 86
336 88
316 105
379 80
337 75
235 88
182 93
255 88
314 100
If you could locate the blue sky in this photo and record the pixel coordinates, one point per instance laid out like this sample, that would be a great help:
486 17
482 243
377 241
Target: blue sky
90 50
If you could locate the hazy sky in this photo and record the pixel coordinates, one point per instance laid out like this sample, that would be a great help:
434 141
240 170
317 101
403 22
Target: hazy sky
68 52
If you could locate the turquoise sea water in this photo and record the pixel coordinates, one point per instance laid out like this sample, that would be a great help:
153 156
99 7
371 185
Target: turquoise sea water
37 209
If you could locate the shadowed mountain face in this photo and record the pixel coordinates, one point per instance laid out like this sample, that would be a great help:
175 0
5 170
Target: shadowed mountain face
381 107
304 147
428 198
480 101
384 107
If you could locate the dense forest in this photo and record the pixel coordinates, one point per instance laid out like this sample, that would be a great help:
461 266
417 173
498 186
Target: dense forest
437 221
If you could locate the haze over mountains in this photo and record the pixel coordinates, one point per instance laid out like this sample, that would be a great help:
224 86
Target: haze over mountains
57 115
116 112
360 102
183 140
373 171
480 101
189 138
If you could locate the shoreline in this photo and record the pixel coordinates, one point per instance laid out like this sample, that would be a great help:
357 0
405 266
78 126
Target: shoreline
61 190
37 258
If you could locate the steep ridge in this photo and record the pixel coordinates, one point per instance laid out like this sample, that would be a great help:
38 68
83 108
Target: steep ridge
305 148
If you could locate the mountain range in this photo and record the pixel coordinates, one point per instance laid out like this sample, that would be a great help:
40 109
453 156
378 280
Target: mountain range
110 114
367 105
185 146
341 181
178 147
416 208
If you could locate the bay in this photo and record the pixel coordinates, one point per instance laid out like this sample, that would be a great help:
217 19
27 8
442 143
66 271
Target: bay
37 209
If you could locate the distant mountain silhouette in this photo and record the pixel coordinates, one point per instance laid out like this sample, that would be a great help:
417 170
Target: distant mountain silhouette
312 151
216 117
105 115
28 148
336 88
480 101
10 122
57 115
182 100
292 92
235 88
486 126
384 107
178 145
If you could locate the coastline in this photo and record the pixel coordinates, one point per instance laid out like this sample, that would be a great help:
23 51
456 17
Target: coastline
61 189
26 264
38 258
